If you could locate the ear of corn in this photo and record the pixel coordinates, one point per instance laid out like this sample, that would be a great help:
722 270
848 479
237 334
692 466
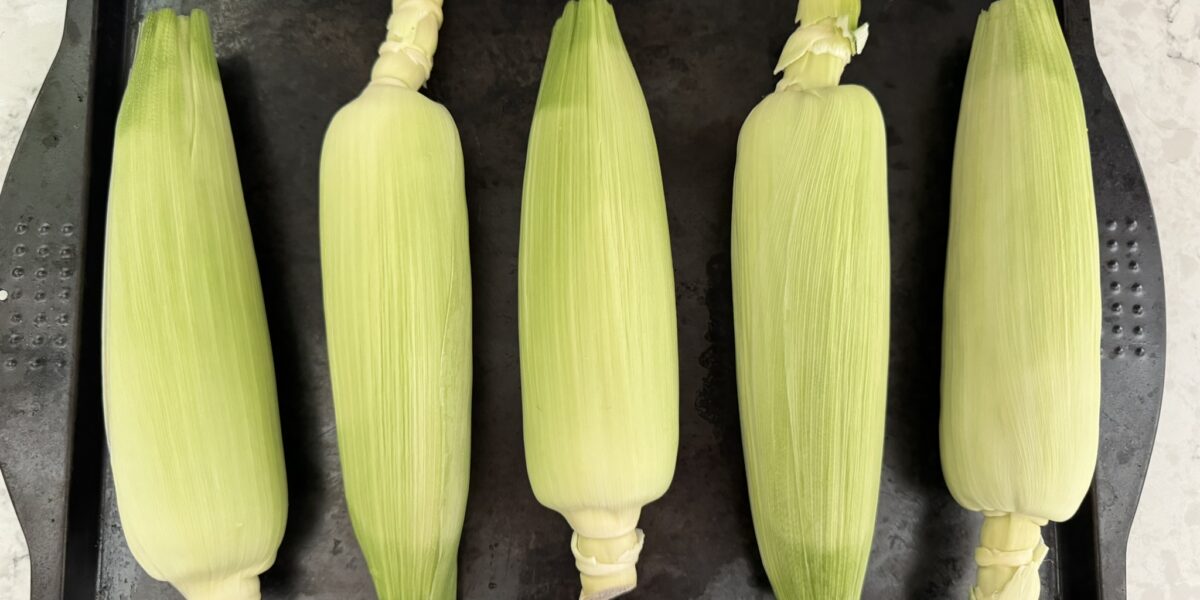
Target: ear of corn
1021 363
811 308
599 362
397 287
189 388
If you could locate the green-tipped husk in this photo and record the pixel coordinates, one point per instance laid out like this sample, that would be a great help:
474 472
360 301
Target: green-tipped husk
599 365
189 387
1021 352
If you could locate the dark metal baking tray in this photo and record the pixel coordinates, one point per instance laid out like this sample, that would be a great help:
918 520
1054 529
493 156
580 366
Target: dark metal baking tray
287 65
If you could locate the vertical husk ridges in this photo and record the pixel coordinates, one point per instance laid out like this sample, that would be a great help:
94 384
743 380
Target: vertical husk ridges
189 387
1021 351
810 259
811 309
396 280
596 290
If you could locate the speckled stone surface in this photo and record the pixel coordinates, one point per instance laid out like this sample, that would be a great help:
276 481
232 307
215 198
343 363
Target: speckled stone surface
1150 50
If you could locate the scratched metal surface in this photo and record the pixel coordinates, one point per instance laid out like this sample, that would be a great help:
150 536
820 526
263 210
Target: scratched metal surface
287 65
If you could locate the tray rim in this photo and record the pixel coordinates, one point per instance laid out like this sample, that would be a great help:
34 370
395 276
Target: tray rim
72 55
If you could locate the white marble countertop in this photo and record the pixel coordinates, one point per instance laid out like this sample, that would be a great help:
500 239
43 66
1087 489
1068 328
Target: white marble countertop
1150 51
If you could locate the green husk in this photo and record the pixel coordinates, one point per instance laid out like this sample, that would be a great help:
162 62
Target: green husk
599 361
811 308
397 288
189 387
1021 351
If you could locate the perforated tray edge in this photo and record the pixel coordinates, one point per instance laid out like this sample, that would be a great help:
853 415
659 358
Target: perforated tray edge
1135 330
43 227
